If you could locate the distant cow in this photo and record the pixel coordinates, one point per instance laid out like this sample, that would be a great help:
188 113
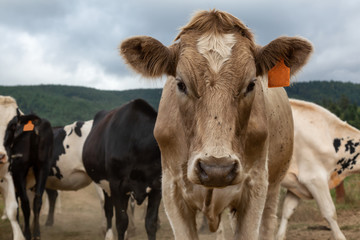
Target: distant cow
68 172
122 156
226 139
8 108
326 150
29 143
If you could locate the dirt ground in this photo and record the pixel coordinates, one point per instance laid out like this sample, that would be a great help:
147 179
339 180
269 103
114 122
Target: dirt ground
79 218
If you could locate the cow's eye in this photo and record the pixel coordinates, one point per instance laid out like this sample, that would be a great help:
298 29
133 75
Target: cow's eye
251 86
181 86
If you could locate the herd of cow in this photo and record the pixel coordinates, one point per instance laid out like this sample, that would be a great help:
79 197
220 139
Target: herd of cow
221 139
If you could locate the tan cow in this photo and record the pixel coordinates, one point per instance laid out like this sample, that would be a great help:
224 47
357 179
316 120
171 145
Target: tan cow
326 150
225 138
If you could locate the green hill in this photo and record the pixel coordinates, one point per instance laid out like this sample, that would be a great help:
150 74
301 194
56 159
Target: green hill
64 104
319 91
341 98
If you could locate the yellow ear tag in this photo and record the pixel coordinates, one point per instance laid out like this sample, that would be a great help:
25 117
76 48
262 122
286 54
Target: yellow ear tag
279 75
29 126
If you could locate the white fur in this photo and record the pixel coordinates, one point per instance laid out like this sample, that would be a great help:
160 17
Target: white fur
109 235
216 48
70 163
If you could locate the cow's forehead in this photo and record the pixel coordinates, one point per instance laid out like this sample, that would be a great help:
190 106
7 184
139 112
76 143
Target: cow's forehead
216 49
211 58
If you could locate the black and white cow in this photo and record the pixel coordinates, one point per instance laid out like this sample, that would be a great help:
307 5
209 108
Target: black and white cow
122 156
326 151
68 173
29 143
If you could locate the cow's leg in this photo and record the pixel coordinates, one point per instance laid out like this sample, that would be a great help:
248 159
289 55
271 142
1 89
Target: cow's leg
291 201
120 200
52 196
269 218
31 196
151 219
250 211
131 214
220 233
20 185
109 212
181 216
41 177
2 182
11 207
319 189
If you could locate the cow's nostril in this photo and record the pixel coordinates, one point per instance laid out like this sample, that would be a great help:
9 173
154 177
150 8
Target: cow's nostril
233 172
217 174
202 172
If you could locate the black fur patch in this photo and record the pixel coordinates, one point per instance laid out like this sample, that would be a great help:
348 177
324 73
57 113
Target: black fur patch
337 144
78 126
346 162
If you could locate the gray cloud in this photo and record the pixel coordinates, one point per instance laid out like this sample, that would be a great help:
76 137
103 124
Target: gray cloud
75 42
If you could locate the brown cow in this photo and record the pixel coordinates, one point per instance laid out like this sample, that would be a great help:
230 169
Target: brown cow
225 138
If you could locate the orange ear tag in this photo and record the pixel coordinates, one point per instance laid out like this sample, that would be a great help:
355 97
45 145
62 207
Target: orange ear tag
29 126
335 180
279 75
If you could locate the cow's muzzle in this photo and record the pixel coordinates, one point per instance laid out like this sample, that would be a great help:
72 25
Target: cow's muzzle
3 158
216 172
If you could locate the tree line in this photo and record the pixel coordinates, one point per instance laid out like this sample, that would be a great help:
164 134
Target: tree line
340 98
62 105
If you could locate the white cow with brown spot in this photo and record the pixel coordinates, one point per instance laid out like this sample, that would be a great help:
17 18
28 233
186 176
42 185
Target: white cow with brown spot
226 140
326 150
8 108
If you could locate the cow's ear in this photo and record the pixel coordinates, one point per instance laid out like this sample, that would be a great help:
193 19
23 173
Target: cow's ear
18 113
294 51
149 57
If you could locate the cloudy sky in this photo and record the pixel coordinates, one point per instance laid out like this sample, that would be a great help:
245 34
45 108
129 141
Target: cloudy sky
75 42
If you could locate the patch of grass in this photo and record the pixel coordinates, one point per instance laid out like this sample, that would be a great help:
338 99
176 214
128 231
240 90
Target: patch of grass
352 193
297 226
350 227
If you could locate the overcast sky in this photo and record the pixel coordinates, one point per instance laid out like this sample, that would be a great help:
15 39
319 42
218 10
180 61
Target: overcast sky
75 42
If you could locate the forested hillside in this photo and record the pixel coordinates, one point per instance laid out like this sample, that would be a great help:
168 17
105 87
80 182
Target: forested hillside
64 104
317 91
341 98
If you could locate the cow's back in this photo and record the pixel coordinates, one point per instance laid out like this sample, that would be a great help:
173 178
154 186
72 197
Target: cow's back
119 139
315 131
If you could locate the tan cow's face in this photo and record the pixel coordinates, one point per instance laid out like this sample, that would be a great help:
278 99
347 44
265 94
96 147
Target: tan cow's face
212 106
215 89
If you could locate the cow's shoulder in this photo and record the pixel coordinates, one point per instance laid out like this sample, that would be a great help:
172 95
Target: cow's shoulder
142 106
